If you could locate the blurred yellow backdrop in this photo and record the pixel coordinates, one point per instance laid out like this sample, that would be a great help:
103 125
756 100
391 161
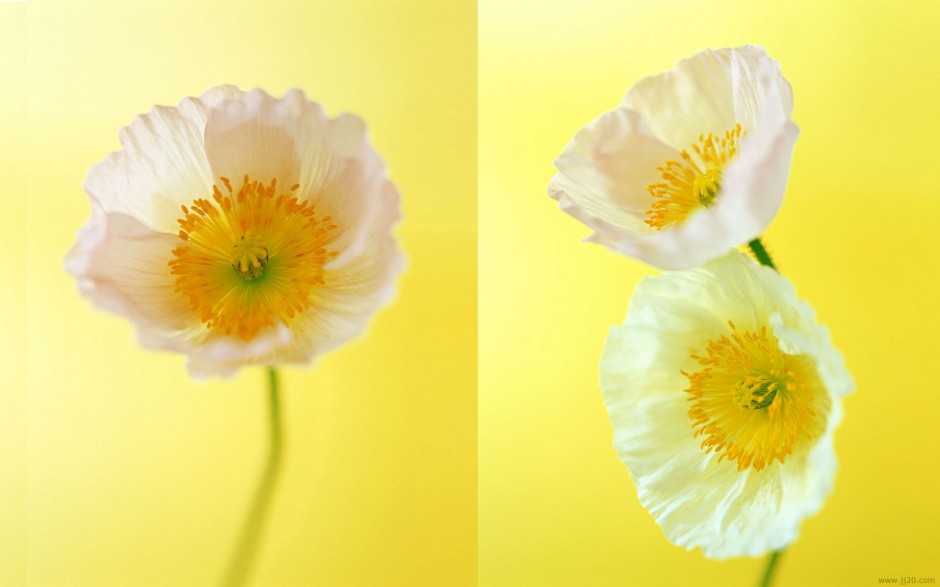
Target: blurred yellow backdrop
136 474
856 234
13 299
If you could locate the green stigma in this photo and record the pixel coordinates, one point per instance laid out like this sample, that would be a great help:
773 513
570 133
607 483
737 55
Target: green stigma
706 186
249 257
755 396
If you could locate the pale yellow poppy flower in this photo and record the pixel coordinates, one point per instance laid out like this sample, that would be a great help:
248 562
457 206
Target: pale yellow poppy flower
724 393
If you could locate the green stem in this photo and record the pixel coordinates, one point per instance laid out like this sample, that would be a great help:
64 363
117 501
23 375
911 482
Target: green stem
273 392
771 564
761 253
246 548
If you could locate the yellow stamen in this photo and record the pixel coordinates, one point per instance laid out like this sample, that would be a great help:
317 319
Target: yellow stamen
693 182
753 403
250 258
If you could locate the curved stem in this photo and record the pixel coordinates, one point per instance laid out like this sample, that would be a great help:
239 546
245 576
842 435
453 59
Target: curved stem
771 564
761 254
249 538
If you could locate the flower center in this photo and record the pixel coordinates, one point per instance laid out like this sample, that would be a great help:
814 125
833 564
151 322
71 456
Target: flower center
755 392
250 258
706 186
692 183
753 403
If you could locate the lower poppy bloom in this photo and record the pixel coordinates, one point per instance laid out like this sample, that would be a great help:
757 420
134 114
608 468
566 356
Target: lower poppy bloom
724 393
241 229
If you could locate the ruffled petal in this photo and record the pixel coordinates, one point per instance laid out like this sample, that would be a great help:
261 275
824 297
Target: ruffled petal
221 357
293 140
357 193
752 191
695 98
762 97
806 337
162 163
122 266
354 292
260 136
754 185
604 172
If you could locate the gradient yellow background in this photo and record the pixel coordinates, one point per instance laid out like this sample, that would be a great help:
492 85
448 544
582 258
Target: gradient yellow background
137 475
857 234
117 469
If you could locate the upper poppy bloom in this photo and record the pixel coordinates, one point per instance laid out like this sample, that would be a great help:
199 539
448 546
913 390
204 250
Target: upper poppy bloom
692 163
238 228
724 393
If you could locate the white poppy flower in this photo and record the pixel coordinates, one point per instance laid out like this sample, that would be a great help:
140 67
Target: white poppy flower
238 229
724 393
692 163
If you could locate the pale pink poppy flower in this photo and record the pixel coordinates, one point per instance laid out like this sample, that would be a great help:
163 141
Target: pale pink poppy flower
692 163
241 229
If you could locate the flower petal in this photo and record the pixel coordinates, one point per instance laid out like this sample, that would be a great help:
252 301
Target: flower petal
752 192
762 97
753 187
122 266
354 292
695 98
260 136
293 140
221 357
604 171
161 166
806 337
357 193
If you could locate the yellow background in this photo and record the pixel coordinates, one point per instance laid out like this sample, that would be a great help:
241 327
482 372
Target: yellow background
127 472
857 234
137 475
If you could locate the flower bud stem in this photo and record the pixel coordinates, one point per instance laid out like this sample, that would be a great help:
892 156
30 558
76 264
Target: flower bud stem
761 253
